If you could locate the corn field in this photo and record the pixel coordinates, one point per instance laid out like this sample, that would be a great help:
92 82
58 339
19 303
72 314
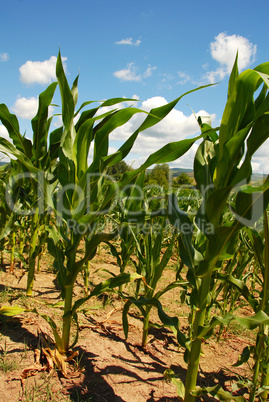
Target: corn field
55 198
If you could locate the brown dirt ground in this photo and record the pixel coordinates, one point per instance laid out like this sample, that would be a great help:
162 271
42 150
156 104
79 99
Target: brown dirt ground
110 368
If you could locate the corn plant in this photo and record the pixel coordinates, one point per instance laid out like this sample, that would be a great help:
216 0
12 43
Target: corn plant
84 193
128 202
34 164
220 165
259 384
150 243
150 238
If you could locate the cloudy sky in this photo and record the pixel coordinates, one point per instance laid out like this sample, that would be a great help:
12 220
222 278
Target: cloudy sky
147 50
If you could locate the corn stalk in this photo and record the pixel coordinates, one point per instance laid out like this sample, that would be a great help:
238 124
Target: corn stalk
218 168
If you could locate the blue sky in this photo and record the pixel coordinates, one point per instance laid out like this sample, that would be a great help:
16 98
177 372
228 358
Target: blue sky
153 51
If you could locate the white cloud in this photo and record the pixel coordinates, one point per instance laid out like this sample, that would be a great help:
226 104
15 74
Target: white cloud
166 81
26 108
3 132
4 57
128 41
224 49
148 72
128 74
184 78
41 72
260 160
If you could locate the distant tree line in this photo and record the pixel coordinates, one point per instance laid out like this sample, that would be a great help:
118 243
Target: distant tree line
160 175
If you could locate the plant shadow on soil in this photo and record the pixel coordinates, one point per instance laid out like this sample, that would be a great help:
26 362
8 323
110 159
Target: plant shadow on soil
92 379
114 369
93 386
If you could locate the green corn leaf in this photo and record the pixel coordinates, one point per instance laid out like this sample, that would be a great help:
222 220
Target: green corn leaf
251 322
263 71
240 96
116 120
218 393
259 134
74 90
172 285
215 204
170 376
82 145
203 166
254 321
241 286
114 101
85 116
125 322
171 322
157 114
93 243
221 246
245 356
11 311
233 76
216 320
68 106
9 225
133 201
251 203
237 120
68 110
180 220
115 253
159 268
107 286
11 123
40 122
170 151
54 143
257 244
9 149
261 100
233 151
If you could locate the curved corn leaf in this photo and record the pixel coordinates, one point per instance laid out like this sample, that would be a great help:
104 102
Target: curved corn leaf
9 225
259 134
238 118
40 122
250 322
107 286
241 286
245 356
170 376
218 393
11 123
171 322
11 311
172 285
180 220
9 149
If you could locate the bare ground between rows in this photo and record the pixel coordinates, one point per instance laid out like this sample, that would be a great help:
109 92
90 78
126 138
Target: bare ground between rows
110 368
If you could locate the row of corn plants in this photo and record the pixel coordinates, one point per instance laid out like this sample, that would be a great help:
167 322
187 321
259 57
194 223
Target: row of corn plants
65 196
